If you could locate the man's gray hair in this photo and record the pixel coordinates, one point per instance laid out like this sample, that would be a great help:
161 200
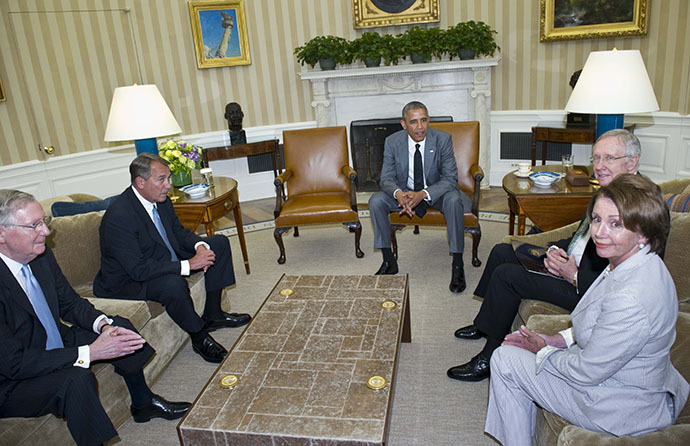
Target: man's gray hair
630 141
11 201
414 105
141 166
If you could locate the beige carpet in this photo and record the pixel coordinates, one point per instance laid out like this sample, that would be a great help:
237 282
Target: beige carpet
428 408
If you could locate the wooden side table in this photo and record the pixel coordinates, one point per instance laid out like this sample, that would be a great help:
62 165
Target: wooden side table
558 132
217 203
548 207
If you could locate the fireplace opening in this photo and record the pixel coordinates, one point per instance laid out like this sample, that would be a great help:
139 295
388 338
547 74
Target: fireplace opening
367 137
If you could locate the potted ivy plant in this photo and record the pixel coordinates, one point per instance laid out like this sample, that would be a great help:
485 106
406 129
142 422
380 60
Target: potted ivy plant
370 48
326 50
470 39
417 44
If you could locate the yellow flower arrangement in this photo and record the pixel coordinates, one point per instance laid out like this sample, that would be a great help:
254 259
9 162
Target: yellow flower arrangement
183 157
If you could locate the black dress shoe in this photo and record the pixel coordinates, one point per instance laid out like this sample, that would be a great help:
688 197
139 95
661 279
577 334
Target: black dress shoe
469 332
227 320
159 408
387 269
457 281
209 349
475 370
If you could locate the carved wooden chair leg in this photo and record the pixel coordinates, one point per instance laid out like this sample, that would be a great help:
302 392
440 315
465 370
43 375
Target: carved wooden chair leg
356 227
476 237
416 229
394 239
278 235
296 234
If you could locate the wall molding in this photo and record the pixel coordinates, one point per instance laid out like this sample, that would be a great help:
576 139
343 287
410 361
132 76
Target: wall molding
105 172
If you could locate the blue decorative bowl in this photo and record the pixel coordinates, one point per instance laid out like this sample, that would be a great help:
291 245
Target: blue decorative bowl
544 178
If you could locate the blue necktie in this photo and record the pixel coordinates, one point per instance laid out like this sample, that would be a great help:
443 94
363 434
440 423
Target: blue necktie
161 230
38 301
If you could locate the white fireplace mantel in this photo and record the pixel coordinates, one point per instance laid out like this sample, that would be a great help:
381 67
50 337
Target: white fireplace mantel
460 89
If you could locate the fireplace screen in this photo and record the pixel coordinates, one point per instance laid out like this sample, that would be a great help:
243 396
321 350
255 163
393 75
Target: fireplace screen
366 143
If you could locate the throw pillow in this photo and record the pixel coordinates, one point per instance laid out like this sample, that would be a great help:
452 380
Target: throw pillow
678 202
67 208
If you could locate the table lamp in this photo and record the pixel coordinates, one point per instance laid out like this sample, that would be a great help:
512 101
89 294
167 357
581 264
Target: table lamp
612 83
139 113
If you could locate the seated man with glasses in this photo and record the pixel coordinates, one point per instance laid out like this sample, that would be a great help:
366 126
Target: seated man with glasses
45 363
505 282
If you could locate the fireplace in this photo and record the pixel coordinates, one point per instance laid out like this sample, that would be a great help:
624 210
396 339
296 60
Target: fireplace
367 139
460 89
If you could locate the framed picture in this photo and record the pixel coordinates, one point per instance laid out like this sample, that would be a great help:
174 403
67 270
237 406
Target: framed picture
219 28
373 13
2 93
592 19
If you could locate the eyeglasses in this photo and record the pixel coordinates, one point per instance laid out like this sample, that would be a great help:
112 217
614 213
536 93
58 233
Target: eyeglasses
606 160
40 224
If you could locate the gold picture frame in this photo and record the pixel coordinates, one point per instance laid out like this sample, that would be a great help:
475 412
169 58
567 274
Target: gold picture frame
374 13
2 93
590 19
219 29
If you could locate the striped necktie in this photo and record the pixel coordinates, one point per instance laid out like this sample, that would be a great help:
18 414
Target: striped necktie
38 301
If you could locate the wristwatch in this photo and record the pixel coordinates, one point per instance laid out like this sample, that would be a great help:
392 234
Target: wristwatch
575 280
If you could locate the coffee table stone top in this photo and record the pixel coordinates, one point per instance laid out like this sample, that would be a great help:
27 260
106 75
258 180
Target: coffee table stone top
303 364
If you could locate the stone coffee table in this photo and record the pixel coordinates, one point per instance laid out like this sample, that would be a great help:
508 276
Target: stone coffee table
303 365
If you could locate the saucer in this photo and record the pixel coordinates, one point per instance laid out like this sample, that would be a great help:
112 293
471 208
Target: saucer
522 175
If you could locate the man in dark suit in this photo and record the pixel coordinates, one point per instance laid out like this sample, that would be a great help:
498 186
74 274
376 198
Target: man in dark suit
45 364
146 252
419 171
505 282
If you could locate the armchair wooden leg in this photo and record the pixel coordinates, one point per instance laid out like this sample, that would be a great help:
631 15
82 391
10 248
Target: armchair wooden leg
356 227
416 229
394 239
278 235
476 237
296 234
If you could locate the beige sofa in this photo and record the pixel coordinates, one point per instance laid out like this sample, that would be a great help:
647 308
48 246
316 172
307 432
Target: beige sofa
547 318
75 242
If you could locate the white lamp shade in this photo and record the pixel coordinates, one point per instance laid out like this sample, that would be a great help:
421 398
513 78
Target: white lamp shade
139 112
613 82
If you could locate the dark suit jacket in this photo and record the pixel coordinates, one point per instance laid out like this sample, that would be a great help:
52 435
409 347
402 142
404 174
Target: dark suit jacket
440 168
23 338
132 250
591 265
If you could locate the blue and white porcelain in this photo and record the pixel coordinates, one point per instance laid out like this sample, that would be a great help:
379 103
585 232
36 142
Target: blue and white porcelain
195 190
544 178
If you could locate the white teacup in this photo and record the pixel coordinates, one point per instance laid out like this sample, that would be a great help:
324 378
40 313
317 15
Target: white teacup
524 168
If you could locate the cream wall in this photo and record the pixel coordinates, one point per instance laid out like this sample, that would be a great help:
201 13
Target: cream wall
530 75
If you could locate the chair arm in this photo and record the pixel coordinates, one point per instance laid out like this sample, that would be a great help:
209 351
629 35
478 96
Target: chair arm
676 434
280 192
478 175
544 238
282 178
548 324
352 175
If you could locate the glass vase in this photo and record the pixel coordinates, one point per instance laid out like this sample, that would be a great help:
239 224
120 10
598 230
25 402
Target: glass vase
181 178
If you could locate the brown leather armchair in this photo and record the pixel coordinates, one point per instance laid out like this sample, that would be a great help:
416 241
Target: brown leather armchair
320 184
466 147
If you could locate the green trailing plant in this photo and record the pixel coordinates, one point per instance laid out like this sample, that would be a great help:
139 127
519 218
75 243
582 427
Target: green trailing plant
324 47
369 48
393 49
470 35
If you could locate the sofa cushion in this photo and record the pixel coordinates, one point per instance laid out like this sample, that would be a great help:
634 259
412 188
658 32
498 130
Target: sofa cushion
680 357
76 244
67 208
678 202
676 257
